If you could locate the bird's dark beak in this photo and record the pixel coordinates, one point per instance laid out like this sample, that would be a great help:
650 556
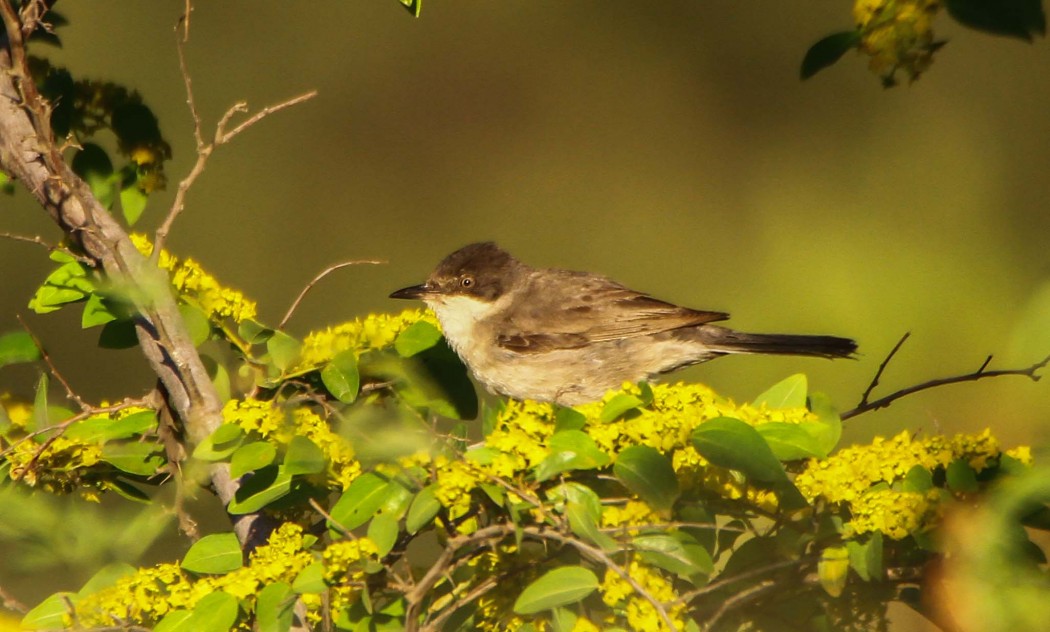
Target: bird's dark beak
413 292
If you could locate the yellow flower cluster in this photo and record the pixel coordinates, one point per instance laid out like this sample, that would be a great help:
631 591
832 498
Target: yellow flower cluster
56 466
676 410
495 612
897 35
631 513
639 611
895 514
847 475
197 287
273 424
521 435
344 569
149 594
860 476
375 331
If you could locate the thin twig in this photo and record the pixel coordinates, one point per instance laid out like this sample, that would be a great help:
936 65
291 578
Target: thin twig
70 393
225 137
882 367
316 279
1030 372
737 600
10 603
204 148
739 577
50 247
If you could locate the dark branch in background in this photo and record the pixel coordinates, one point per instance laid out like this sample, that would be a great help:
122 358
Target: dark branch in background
29 153
309 286
865 405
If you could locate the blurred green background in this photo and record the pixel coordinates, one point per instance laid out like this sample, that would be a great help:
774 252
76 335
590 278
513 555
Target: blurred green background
668 145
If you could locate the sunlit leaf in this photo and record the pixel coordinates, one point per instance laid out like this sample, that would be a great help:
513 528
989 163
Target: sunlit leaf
260 489
341 377
275 607
215 612
558 587
648 473
417 337
252 456
216 553
303 457
424 508
360 501
787 393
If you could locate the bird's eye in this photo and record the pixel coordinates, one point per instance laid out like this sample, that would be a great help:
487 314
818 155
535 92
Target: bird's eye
467 281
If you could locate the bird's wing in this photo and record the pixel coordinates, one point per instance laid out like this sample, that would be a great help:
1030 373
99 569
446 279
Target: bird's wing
573 309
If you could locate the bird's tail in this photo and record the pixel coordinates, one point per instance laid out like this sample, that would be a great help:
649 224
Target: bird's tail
724 340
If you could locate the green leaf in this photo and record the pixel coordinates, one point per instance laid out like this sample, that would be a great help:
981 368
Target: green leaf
828 428
132 202
827 51
583 508
260 489
68 283
216 553
118 334
1014 18
566 418
918 480
303 457
434 379
253 333
176 621
678 553
563 620
196 322
866 558
93 165
787 393
106 577
789 441
559 587
16 347
417 337
220 444
131 426
360 501
422 510
571 450
648 473
733 444
215 612
142 459
341 377
620 404
310 580
41 416
284 350
96 312
961 477
274 608
832 569
413 6
50 613
383 530
252 456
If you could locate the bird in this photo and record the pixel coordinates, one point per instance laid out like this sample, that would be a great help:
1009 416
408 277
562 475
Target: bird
569 337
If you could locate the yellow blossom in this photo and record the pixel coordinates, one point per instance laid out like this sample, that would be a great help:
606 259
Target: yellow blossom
375 331
897 35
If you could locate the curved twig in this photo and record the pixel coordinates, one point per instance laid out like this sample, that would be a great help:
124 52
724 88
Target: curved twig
309 286
1031 372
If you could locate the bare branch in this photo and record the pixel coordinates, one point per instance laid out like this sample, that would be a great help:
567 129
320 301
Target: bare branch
882 367
312 283
10 603
749 594
1031 372
224 137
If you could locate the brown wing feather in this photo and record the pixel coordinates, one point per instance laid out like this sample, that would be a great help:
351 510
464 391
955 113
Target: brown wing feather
590 309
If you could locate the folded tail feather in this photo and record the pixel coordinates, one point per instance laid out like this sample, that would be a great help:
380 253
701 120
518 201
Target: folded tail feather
726 340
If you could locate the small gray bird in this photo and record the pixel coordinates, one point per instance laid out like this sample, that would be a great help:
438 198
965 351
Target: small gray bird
568 337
